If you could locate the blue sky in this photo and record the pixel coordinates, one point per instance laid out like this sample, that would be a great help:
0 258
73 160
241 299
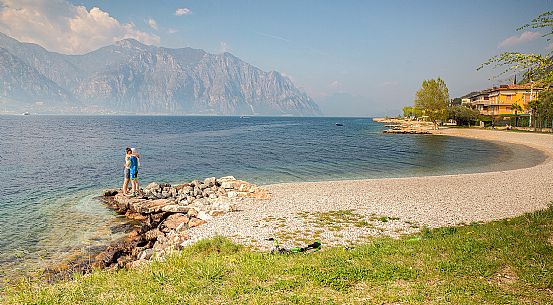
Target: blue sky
377 52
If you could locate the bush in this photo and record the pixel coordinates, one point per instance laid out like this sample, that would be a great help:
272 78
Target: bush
462 115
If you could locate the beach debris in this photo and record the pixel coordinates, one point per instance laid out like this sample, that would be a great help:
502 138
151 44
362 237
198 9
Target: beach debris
163 214
278 249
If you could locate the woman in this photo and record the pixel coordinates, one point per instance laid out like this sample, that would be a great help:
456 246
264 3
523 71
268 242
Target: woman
126 172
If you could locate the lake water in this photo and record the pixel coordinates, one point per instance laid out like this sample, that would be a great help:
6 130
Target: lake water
52 167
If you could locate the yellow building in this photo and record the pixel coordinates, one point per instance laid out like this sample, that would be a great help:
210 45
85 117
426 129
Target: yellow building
500 100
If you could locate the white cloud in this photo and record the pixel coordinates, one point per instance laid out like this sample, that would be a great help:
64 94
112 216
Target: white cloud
224 47
520 39
172 30
152 23
182 11
549 47
336 85
63 27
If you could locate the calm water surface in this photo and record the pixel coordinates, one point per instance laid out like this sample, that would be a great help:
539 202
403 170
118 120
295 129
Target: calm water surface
52 167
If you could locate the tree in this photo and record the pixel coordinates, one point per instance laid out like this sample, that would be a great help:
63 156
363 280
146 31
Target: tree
456 101
542 109
409 111
534 67
462 115
432 99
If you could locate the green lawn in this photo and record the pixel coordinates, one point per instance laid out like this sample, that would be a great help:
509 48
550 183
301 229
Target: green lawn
508 261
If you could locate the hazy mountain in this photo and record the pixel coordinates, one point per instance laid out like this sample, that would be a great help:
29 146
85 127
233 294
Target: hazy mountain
21 82
131 77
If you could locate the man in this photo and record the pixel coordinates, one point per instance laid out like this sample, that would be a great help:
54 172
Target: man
133 171
126 173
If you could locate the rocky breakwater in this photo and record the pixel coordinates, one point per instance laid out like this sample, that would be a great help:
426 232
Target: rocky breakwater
163 214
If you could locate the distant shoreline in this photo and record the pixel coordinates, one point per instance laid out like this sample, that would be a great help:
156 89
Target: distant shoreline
407 203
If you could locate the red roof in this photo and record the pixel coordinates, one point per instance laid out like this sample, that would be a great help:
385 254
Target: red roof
514 87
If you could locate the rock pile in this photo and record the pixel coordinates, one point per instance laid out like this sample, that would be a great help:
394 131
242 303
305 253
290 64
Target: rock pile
163 214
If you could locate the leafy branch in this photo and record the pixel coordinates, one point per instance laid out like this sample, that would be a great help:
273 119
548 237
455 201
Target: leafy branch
534 67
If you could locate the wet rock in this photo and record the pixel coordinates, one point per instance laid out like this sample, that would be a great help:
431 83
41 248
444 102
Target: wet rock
116 250
122 261
135 216
110 192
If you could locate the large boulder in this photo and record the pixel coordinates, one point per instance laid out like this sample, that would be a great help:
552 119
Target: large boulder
194 222
110 192
173 221
153 206
153 234
152 187
210 181
175 208
226 178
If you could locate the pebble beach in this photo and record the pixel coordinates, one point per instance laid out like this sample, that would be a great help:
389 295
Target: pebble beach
345 213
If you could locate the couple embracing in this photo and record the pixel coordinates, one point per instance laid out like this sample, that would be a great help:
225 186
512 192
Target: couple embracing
132 162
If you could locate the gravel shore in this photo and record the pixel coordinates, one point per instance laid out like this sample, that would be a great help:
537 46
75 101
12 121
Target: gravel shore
353 211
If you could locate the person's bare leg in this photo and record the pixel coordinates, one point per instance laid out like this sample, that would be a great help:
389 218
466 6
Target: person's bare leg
125 186
133 188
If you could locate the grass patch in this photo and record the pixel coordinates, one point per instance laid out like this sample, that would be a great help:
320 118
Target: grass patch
507 261
335 220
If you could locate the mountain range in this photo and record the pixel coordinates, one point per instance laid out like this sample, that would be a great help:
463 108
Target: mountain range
129 77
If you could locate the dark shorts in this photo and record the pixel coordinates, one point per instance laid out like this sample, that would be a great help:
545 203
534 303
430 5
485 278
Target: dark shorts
134 174
127 173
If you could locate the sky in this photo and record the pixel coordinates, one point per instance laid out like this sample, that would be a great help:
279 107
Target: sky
354 58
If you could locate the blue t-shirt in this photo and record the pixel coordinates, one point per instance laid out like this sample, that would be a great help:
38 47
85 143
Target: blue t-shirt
133 164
